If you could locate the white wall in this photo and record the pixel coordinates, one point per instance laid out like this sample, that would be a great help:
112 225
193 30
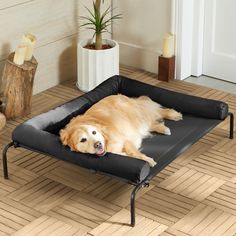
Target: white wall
141 31
55 25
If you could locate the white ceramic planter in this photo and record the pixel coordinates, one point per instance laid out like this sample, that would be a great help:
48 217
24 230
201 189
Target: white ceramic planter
95 66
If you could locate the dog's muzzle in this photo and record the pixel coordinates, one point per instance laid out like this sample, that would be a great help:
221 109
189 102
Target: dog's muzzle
100 151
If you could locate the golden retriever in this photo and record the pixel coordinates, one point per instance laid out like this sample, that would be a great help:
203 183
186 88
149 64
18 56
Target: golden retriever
117 124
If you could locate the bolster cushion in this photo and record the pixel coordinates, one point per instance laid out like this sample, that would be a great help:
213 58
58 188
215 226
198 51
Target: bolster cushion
184 103
130 169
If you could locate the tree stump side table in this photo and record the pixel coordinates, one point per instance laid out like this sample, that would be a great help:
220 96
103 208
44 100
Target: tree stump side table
17 82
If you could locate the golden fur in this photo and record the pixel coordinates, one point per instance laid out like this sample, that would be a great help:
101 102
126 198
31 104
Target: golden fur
117 124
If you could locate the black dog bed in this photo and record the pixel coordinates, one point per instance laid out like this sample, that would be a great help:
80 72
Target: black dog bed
200 115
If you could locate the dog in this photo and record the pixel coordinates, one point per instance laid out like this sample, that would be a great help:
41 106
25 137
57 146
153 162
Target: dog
117 124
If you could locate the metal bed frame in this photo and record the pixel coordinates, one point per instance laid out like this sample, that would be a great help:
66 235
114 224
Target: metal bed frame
144 183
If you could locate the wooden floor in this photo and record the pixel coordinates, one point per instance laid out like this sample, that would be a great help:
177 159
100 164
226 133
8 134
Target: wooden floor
194 195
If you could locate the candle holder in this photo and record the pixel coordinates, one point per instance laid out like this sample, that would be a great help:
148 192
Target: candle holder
166 68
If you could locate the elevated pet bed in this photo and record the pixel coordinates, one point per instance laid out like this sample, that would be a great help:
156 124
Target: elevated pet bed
200 115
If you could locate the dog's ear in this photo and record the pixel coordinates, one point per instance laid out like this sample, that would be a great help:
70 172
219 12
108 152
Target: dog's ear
64 136
104 132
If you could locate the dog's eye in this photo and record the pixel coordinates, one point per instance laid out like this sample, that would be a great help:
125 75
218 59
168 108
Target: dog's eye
83 140
94 132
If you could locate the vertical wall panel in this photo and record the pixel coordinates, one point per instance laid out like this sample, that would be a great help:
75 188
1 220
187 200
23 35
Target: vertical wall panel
141 31
55 24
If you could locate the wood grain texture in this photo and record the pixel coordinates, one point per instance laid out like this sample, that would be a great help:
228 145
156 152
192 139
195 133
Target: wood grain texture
14 216
216 163
118 225
194 195
68 174
46 225
207 221
224 198
18 87
192 184
164 206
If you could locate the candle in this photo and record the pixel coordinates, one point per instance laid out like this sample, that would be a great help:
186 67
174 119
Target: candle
29 40
20 53
168 46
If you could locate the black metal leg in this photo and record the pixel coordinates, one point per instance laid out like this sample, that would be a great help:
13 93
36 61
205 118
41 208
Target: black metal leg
231 132
4 159
132 201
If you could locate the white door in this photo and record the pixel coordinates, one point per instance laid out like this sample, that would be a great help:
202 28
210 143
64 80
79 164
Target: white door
219 53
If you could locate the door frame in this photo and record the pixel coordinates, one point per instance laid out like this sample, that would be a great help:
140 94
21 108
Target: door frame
187 23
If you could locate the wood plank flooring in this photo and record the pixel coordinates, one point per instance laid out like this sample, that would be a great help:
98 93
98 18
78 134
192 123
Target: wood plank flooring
194 195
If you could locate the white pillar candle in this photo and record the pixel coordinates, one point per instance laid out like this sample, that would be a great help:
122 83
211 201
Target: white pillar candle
20 53
168 46
29 40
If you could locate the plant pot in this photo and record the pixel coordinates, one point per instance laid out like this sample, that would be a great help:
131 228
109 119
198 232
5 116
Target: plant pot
95 66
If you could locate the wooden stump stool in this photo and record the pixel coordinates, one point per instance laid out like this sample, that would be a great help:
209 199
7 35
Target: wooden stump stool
17 82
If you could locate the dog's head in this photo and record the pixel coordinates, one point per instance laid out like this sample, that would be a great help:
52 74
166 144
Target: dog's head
84 138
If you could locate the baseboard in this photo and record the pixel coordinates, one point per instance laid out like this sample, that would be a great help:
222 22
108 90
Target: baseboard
139 57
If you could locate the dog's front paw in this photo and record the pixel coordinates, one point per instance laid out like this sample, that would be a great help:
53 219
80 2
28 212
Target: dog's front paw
151 162
167 131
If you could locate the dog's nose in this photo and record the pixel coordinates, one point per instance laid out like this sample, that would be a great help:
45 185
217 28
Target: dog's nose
98 145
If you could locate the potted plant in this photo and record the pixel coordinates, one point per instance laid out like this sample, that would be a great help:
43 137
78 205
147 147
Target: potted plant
98 58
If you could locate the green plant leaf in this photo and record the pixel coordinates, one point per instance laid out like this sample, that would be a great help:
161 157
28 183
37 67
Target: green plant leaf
89 20
89 11
97 21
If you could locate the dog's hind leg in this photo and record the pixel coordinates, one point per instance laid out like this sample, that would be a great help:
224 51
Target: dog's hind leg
132 151
170 114
160 128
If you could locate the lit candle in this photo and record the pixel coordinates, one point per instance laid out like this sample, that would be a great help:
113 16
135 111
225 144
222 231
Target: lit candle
168 46
20 53
29 40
